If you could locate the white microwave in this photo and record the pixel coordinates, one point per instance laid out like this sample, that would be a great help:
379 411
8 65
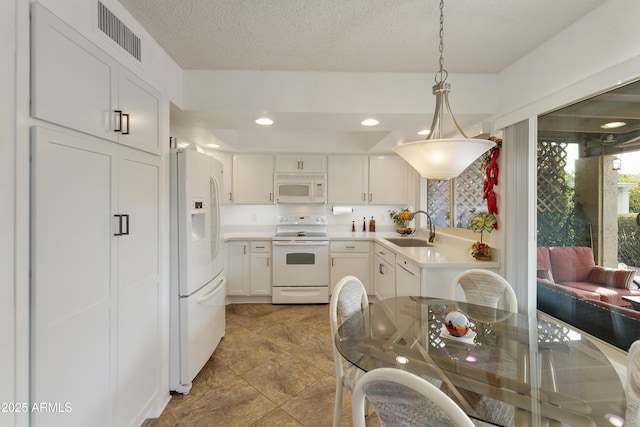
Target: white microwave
300 188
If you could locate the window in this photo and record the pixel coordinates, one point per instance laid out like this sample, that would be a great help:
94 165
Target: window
460 195
588 228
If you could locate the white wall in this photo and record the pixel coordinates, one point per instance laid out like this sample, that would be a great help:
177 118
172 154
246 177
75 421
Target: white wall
597 53
7 218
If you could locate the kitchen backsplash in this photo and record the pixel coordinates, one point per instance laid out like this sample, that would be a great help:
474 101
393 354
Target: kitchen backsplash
263 217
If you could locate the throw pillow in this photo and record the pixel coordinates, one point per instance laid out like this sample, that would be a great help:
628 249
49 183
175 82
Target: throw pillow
545 274
612 277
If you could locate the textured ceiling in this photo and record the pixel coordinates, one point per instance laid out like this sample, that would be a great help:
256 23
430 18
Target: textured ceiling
481 36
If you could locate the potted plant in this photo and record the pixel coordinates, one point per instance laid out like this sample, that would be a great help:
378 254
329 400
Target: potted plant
401 219
481 222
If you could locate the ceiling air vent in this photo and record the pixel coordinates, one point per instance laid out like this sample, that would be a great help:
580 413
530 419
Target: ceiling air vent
109 24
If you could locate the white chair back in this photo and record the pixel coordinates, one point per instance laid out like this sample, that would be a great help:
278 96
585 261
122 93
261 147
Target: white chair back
632 416
401 398
486 288
348 298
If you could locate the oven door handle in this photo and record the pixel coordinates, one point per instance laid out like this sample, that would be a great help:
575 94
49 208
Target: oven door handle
301 243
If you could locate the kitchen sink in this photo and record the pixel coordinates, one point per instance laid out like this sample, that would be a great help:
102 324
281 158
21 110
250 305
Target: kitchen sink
406 242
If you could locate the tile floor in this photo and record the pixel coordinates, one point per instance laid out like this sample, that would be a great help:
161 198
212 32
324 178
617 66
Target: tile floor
274 367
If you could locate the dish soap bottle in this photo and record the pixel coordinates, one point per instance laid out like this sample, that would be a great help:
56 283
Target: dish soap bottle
353 226
364 223
372 225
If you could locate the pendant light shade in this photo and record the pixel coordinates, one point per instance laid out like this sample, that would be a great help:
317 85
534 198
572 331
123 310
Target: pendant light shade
436 157
442 158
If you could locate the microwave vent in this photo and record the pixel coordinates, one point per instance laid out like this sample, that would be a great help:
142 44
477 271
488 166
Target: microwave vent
113 27
296 176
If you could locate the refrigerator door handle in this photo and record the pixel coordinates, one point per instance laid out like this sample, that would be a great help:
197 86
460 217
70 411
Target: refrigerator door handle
211 294
215 214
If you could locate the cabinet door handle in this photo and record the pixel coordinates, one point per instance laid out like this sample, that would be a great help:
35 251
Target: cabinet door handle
119 232
244 250
371 197
331 261
299 165
350 247
122 226
126 115
268 262
126 217
259 247
119 113
271 197
302 163
230 197
364 197
380 268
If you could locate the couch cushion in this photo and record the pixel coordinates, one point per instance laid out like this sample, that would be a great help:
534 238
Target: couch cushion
543 261
612 277
571 263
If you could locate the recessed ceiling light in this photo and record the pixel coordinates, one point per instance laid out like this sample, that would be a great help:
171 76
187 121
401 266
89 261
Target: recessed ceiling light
213 146
369 122
264 121
424 132
613 125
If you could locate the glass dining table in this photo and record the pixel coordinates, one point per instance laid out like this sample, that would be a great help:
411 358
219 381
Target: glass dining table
508 370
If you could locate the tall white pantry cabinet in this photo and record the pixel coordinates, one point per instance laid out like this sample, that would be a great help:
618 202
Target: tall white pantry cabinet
95 230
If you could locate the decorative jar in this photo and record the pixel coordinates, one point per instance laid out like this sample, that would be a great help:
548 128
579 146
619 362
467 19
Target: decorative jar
481 251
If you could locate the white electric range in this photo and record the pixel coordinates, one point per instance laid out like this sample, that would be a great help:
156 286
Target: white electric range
301 260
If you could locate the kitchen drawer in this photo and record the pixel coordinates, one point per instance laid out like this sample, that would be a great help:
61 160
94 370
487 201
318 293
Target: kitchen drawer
385 254
349 246
261 246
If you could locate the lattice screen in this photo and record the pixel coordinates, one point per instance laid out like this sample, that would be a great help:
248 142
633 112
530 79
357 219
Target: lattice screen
468 194
553 195
438 201
467 189
552 184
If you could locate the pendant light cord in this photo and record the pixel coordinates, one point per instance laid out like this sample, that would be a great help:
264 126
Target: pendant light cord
442 74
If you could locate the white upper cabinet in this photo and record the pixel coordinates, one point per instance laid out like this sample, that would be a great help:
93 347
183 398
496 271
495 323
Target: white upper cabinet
307 163
253 178
140 106
374 180
348 179
388 180
77 85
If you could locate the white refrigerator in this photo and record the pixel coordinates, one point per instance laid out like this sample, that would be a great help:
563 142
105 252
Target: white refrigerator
198 288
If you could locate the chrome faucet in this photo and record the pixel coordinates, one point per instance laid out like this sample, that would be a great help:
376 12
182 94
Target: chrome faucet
432 228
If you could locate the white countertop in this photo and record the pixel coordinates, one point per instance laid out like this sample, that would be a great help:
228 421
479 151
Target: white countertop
449 251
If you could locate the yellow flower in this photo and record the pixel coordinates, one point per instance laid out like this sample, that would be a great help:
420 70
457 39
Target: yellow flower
403 215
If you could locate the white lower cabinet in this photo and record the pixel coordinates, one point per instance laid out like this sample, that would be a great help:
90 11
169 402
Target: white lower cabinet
249 268
351 258
384 272
95 285
408 275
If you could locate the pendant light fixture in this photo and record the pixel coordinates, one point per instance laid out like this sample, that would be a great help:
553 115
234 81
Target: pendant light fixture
436 157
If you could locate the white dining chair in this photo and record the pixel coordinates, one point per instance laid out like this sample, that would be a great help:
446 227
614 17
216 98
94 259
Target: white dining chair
632 415
348 297
486 288
401 398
